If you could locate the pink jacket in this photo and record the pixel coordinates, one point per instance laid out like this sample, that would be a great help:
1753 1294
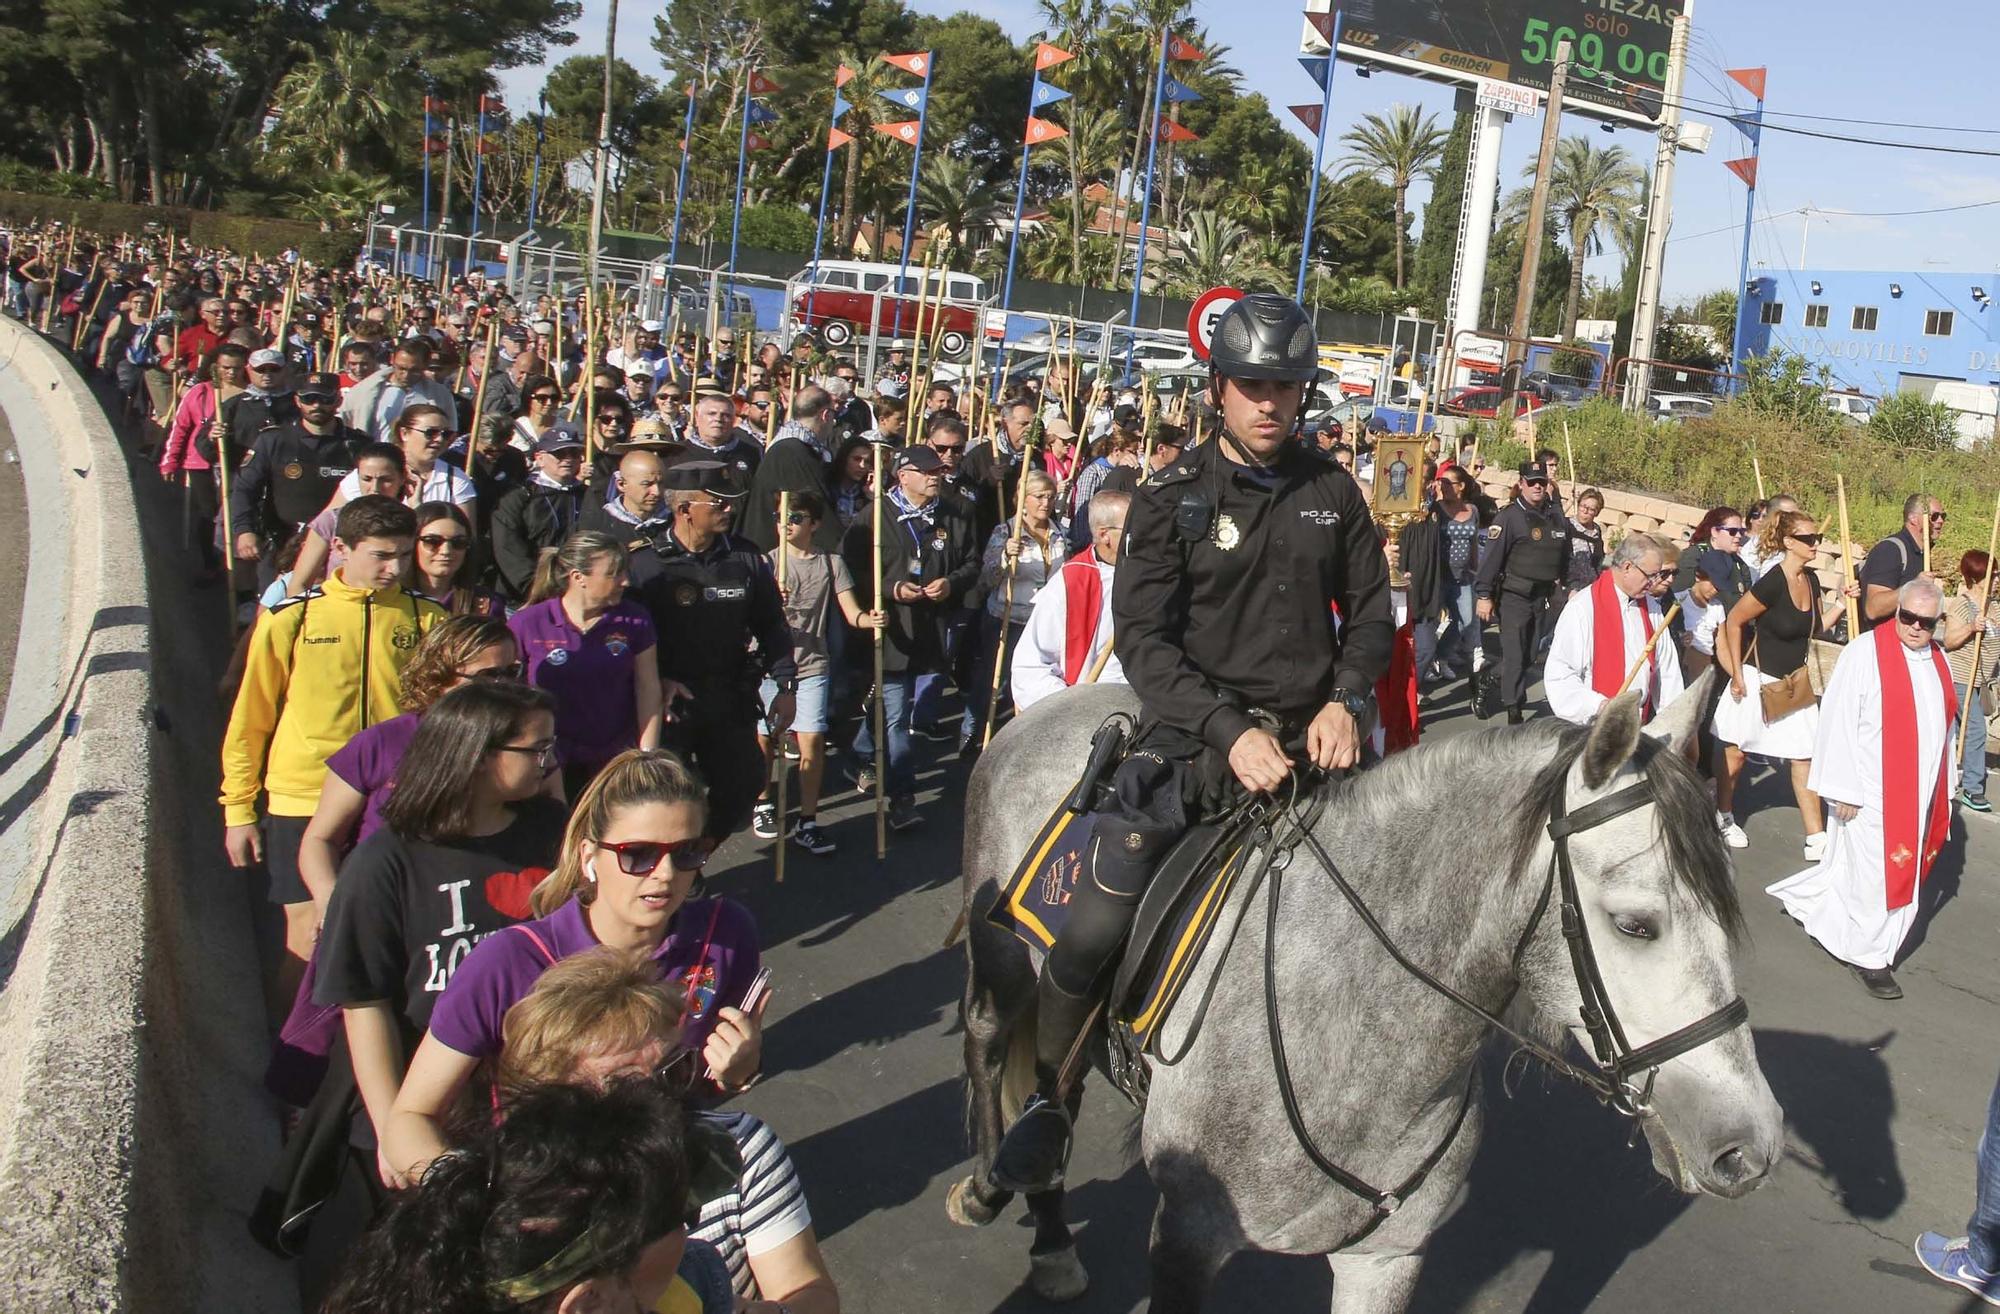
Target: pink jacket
196 413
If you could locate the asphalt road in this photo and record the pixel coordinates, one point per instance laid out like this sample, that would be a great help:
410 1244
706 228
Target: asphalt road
1884 1104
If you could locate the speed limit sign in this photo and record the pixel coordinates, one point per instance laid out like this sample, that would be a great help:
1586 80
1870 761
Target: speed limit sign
1208 308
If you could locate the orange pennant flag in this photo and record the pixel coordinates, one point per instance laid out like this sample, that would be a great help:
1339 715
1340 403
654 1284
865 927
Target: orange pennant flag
835 139
1048 56
1179 49
918 63
1171 131
842 76
1744 169
1750 79
758 143
905 132
761 85
1041 130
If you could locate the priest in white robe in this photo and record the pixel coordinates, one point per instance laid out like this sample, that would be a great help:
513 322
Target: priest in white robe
1069 629
1880 763
1602 631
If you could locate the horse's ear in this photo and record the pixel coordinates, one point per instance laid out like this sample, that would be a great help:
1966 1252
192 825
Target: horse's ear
1679 720
1614 736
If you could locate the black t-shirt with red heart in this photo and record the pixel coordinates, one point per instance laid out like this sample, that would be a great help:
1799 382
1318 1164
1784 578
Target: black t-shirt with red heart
406 912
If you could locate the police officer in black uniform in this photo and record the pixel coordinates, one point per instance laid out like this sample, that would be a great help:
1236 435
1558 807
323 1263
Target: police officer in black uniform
713 596
293 470
1526 555
1235 559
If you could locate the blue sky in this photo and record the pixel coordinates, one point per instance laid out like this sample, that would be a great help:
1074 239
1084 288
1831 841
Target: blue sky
1840 58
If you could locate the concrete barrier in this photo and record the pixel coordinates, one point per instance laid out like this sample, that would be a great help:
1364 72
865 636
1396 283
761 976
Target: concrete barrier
76 750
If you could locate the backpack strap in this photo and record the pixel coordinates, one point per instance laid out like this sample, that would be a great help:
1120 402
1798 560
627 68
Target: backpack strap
548 954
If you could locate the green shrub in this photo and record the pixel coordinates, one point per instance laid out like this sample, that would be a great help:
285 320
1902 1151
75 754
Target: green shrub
241 233
1575 361
1906 420
777 228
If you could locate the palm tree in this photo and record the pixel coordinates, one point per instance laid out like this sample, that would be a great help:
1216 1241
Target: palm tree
1210 250
342 198
339 100
1591 191
1054 254
952 195
1397 148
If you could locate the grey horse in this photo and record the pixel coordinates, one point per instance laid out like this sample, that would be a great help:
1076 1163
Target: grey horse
1381 1063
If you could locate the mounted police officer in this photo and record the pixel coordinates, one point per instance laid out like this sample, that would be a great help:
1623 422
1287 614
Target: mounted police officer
722 632
1527 553
1251 608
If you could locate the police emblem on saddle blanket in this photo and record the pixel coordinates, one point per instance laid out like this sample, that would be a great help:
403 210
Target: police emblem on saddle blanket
1180 907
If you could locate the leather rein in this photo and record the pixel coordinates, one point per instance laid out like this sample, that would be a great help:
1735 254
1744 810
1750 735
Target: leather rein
1617 1081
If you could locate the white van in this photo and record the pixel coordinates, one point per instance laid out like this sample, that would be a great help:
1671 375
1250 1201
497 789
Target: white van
1851 406
1977 406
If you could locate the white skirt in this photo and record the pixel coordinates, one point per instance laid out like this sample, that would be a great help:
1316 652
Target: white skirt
1741 723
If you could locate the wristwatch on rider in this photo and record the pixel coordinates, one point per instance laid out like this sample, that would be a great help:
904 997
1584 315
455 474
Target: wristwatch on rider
1356 704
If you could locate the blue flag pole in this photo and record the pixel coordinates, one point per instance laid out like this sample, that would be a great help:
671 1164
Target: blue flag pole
541 136
478 172
1743 272
819 229
680 188
1319 155
742 153
910 206
1014 238
426 222
1146 205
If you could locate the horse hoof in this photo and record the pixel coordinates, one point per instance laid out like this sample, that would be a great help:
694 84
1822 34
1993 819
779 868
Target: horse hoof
1057 1276
963 1206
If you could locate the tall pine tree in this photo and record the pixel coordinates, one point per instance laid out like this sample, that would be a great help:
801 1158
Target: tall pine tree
1431 278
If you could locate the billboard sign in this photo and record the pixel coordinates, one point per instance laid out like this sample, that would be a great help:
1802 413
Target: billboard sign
1620 46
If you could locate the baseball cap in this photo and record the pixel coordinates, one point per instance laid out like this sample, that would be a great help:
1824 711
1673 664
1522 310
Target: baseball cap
702 477
649 326
561 436
545 326
1058 427
1533 470
266 357
320 383
921 458
515 333
891 386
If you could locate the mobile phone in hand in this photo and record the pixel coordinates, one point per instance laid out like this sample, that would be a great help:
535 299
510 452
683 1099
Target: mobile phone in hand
760 985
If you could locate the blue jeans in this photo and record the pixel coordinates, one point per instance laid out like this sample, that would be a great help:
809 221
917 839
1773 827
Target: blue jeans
899 700
1984 1228
931 685
1454 648
1972 776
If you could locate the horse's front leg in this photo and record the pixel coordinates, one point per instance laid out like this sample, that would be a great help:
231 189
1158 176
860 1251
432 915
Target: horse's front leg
1190 1245
1373 1284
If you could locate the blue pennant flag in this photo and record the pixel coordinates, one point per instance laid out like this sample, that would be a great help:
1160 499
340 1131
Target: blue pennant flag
1750 125
1315 65
910 98
762 114
1179 93
1048 95
841 105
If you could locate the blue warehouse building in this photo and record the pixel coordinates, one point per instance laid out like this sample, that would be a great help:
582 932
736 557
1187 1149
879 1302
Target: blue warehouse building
1880 333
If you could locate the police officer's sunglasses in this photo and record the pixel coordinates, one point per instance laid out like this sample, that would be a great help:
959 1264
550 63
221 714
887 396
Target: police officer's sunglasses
317 399
642 857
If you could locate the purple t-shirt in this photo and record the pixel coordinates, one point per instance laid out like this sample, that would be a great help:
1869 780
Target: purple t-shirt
710 954
367 764
590 673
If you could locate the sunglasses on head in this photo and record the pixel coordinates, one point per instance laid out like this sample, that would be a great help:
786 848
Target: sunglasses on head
641 857
436 541
1912 619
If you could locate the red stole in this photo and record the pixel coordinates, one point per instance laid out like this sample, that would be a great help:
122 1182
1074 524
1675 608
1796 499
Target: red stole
1396 692
1607 639
1905 862
1083 601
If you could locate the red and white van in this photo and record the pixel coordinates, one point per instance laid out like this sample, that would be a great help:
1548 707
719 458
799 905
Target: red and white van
838 300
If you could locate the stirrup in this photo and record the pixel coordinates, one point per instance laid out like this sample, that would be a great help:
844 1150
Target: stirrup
1043 1119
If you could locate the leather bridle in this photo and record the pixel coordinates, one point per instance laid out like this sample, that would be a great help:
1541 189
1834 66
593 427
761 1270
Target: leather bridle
1624 1076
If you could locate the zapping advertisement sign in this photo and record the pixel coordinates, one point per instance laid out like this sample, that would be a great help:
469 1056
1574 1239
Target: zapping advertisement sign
1619 46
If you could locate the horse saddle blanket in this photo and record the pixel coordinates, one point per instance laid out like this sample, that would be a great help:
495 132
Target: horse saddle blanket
1179 909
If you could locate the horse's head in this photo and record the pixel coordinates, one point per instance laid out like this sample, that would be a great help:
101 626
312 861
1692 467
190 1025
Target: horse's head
1658 901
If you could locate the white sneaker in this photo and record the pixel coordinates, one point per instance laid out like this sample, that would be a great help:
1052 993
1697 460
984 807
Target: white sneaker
1816 847
1732 834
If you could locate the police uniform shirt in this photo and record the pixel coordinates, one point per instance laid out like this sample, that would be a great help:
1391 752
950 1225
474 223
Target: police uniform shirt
1526 549
1228 587
291 476
709 606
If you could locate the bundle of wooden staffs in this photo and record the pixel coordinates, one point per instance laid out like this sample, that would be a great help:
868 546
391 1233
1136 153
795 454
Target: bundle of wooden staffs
1847 561
1979 631
780 740
486 366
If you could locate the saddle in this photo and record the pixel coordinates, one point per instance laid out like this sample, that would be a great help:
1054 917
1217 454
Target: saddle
1176 916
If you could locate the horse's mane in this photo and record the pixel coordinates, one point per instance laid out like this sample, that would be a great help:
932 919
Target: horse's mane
1685 820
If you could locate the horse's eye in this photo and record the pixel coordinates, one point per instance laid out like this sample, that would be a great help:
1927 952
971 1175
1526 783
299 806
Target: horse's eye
1636 927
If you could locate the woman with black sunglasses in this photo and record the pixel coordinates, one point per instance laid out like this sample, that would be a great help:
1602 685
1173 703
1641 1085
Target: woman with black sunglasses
468 834
441 567
541 396
1766 637
630 860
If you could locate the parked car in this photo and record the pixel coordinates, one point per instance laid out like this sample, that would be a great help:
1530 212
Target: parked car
1479 402
1680 406
1851 406
1557 387
845 297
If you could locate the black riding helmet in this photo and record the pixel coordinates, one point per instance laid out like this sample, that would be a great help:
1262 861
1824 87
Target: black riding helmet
1265 336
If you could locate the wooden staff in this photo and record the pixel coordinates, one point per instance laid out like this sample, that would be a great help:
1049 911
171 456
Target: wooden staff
916 343
779 741
222 458
1927 535
1148 427
1979 631
55 281
84 321
1666 623
485 379
1103 658
1012 563
1757 468
1569 449
1847 561
881 697
584 383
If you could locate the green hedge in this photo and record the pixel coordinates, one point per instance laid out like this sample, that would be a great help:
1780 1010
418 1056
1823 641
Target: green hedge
240 233
1713 462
